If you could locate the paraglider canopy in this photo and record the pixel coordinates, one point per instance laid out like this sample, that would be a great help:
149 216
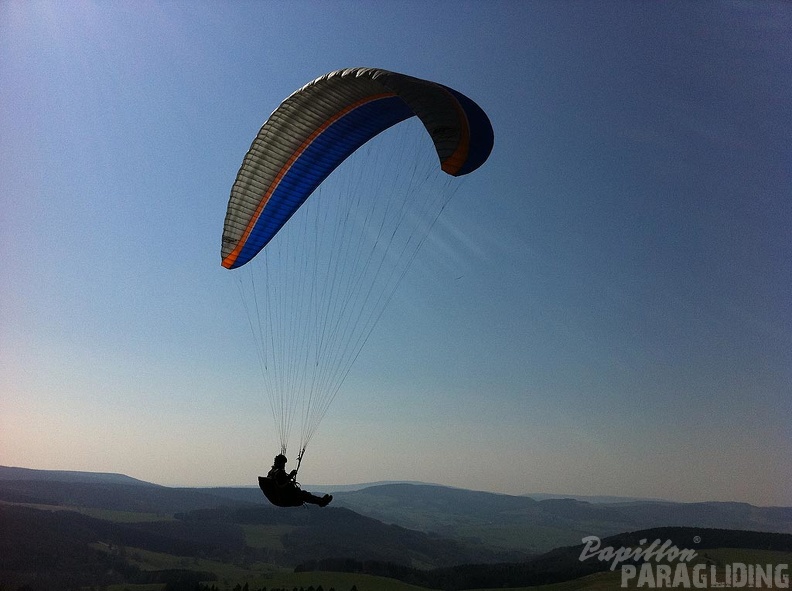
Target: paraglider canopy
320 125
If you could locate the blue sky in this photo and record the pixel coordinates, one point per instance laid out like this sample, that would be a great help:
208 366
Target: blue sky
603 308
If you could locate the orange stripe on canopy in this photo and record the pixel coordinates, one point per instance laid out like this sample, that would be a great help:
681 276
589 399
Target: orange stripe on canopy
453 164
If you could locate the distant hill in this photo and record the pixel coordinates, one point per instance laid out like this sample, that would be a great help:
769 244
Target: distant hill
334 488
594 498
111 496
12 473
511 522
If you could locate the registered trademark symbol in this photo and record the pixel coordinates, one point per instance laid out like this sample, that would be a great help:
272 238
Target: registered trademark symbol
696 539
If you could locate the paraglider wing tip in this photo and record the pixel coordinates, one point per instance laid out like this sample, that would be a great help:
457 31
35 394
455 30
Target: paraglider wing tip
480 140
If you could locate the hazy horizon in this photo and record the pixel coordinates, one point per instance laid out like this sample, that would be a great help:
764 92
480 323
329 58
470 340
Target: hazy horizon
350 486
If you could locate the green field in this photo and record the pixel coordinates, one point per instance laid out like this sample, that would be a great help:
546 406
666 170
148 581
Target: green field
504 537
611 581
337 581
261 575
151 561
597 582
289 580
135 587
266 536
106 514
257 575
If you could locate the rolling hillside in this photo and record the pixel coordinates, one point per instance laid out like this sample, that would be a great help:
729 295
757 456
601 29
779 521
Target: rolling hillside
528 525
13 473
73 530
564 564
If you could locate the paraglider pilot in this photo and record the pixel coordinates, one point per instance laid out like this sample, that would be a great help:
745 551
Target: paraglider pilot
282 489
